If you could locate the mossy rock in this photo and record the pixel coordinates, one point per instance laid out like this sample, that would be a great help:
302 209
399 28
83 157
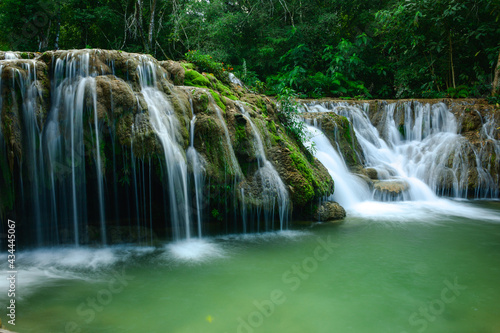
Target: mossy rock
208 141
195 79
218 100
225 91
145 141
175 70
187 65
7 187
340 133
330 212
306 180
200 101
114 97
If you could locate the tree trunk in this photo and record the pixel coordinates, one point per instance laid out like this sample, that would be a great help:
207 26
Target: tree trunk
138 18
495 91
151 25
58 29
451 61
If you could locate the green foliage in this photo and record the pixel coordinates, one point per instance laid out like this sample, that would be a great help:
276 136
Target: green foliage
344 49
288 114
458 92
205 63
216 214
493 100
435 47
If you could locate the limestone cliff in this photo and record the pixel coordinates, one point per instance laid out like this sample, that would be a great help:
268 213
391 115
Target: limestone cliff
78 131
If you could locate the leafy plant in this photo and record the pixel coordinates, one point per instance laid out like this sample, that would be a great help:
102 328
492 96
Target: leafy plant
458 92
493 100
216 214
206 63
288 111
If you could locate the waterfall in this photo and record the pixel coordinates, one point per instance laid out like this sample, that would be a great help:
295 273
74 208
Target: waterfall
234 161
349 189
421 152
52 165
164 122
10 56
273 189
26 81
65 113
196 163
100 178
74 95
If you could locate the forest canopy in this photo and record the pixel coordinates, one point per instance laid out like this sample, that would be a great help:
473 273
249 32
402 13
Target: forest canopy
357 48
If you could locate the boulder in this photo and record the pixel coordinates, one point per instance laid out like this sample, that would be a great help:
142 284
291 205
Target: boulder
175 70
371 173
330 211
391 186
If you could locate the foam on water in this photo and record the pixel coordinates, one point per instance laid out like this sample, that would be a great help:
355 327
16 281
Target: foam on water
424 211
41 267
195 250
267 236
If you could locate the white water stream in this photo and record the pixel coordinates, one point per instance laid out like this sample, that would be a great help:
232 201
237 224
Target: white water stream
417 159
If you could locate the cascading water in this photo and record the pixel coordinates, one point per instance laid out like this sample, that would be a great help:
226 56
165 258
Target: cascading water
52 163
63 108
100 178
273 189
234 161
424 155
196 162
26 81
163 120
74 95
10 56
349 189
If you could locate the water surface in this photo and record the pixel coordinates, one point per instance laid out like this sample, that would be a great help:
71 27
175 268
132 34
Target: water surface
405 267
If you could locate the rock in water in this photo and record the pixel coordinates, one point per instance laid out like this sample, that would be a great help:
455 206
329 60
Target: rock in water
330 211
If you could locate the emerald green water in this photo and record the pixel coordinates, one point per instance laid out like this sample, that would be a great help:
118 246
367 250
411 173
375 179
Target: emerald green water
386 271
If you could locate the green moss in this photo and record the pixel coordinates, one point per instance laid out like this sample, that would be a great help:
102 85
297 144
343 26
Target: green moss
261 105
303 166
218 100
240 132
304 195
225 91
304 191
195 79
204 102
187 65
347 129
275 138
25 55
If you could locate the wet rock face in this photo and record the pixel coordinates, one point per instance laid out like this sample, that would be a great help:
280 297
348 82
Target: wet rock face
330 212
466 165
114 97
175 70
340 132
390 187
118 103
371 173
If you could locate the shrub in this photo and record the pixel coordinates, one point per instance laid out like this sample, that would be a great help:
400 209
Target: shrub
205 63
